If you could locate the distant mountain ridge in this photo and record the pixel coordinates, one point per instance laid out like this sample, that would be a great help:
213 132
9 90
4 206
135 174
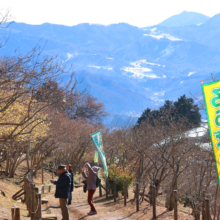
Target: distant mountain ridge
185 19
126 67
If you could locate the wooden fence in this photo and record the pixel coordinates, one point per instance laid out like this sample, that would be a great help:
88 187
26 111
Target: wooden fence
140 196
32 199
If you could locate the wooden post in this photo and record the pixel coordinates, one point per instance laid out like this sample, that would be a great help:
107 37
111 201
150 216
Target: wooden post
38 214
203 205
32 201
31 175
28 167
100 191
25 189
125 193
35 207
207 213
115 193
15 213
27 193
137 197
106 186
175 204
42 174
154 201
52 171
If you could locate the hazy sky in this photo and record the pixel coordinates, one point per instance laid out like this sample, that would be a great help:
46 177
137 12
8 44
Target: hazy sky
140 13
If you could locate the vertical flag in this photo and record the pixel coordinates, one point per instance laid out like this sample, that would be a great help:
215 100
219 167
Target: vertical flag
97 140
96 159
211 94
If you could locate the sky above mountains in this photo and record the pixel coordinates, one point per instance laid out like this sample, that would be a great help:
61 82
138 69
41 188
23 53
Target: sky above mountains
140 13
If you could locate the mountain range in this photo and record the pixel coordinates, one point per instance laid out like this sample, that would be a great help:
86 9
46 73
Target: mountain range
128 68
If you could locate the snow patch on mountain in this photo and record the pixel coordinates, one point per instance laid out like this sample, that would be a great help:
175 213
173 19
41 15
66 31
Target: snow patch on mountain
139 62
70 56
159 93
140 71
103 67
97 67
190 73
107 68
167 36
198 132
153 30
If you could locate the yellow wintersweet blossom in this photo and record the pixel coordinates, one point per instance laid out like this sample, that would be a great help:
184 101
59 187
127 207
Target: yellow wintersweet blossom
23 119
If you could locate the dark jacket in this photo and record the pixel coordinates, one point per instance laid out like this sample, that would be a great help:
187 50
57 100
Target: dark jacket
63 185
72 181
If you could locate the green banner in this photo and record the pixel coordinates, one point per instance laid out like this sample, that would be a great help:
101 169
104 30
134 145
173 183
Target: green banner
97 140
96 159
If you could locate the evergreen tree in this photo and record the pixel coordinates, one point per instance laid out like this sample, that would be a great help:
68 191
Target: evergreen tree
183 108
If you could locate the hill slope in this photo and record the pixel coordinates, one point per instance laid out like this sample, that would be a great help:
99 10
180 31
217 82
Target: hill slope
127 68
185 19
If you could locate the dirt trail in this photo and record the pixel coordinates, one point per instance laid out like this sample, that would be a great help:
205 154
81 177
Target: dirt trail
79 208
108 210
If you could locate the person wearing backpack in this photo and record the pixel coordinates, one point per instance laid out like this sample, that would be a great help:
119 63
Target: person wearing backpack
91 185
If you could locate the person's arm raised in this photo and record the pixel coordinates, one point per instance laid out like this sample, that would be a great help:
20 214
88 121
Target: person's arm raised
90 168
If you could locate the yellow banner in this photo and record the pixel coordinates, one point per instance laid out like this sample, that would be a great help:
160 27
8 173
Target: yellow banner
96 157
211 94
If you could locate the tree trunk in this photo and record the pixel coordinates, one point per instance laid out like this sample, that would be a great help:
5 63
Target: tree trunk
196 214
169 201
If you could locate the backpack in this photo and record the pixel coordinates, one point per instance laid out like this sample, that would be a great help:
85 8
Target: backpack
85 187
98 181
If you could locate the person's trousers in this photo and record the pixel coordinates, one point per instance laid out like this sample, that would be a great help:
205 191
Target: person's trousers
90 199
70 198
64 208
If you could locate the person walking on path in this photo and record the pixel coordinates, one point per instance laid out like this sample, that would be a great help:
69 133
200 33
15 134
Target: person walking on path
62 190
69 168
91 185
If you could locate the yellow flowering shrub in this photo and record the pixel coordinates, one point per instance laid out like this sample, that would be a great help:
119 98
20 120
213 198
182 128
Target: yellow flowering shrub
118 174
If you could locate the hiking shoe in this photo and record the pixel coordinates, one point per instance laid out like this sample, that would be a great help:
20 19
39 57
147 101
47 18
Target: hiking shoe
92 213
